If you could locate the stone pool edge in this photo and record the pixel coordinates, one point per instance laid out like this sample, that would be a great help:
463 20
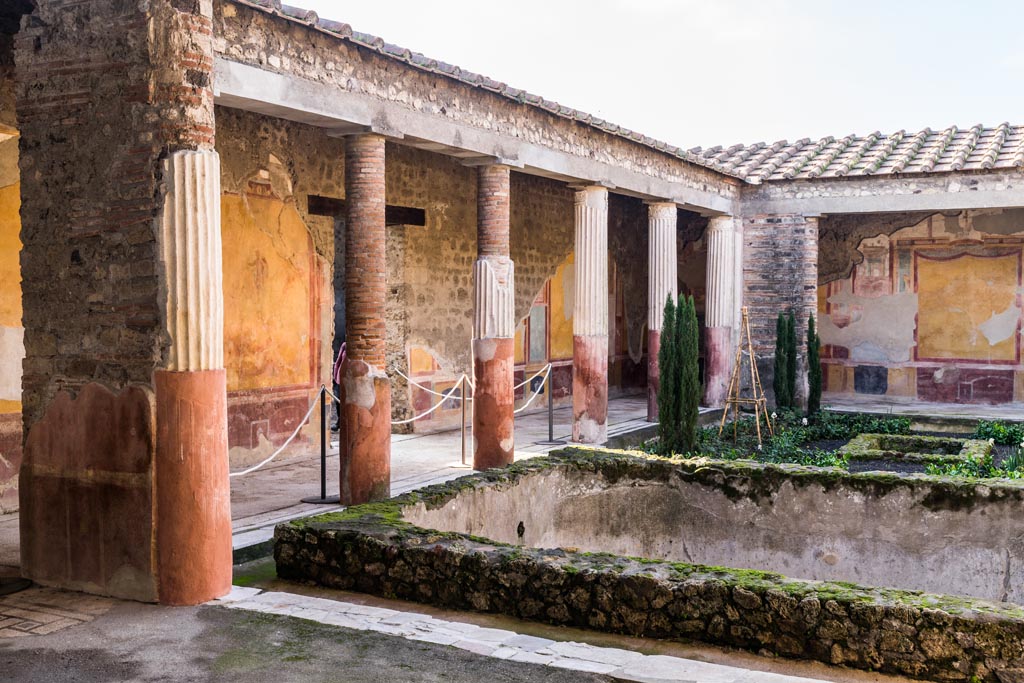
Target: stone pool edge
371 549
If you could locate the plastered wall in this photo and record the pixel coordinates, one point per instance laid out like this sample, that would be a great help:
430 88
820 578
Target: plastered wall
931 311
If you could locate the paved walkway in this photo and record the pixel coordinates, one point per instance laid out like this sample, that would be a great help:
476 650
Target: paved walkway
620 663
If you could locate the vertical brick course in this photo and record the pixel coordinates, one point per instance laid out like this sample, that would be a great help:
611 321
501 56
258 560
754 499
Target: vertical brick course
493 211
365 249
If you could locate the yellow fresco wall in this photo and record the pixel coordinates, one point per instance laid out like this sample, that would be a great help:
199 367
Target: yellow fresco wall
560 324
955 297
267 275
12 348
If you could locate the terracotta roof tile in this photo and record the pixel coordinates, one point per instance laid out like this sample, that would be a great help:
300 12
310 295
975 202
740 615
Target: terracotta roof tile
977 148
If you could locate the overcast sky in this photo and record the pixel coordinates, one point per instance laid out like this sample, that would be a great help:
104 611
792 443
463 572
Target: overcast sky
708 72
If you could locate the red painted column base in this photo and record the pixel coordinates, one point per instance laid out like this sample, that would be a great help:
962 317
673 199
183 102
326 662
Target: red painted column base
653 374
590 389
193 496
718 365
364 434
493 403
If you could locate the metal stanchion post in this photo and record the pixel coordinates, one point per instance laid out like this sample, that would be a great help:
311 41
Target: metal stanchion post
552 441
323 454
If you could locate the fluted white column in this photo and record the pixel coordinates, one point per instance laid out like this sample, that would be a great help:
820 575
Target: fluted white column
719 312
190 243
662 283
590 318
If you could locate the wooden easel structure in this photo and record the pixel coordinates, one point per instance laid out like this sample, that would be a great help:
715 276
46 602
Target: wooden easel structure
735 399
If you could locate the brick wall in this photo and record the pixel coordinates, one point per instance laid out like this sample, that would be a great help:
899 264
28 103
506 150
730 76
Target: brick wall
98 106
780 273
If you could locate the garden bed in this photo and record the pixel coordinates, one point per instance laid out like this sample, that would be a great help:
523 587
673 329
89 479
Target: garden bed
911 453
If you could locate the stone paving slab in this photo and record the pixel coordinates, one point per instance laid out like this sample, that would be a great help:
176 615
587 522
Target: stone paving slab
619 664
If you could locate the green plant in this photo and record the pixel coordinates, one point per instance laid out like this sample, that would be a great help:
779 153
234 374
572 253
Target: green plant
813 368
1015 462
791 359
999 432
668 378
689 370
780 371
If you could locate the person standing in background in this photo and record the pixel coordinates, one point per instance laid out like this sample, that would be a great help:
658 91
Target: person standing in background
336 380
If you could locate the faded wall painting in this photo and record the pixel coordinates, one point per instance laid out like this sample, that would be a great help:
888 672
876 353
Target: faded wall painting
12 334
932 312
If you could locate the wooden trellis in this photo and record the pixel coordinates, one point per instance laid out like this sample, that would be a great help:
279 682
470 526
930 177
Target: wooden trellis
735 398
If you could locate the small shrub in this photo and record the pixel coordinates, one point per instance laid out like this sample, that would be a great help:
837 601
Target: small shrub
1000 432
813 368
780 368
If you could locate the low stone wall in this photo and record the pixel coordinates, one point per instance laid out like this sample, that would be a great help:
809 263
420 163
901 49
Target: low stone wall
375 549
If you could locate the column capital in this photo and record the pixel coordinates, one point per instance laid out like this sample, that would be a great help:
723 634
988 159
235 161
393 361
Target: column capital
722 224
593 196
661 210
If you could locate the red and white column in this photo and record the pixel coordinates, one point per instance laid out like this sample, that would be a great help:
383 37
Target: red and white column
365 424
720 308
590 318
493 324
661 284
193 497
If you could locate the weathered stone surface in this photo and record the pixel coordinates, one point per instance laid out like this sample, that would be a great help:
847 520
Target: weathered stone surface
375 549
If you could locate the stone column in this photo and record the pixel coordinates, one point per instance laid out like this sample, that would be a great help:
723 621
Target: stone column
193 501
719 314
590 318
365 423
493 324
661 284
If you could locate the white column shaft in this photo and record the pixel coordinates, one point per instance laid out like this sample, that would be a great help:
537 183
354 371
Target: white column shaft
590 311
721 273
190 243
662 264
494 298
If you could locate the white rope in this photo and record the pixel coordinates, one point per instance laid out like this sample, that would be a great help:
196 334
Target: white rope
428 390
285 444
439 404
540 372
536 393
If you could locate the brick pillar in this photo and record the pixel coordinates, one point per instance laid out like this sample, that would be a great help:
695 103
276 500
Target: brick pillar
493 324
590 318
662 282
365 425
720 309
124 487
780 272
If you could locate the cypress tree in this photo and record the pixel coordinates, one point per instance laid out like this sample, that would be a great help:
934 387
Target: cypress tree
791 344
779 371
813 368
668 383
689 402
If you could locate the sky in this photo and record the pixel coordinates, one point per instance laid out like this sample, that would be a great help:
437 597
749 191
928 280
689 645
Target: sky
719 72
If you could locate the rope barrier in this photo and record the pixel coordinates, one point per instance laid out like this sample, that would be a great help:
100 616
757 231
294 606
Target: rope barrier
547 375
544 370
423 415
431 391
276 453
464 380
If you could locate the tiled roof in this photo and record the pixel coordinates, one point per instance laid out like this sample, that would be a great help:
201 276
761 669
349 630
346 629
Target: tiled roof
928 151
